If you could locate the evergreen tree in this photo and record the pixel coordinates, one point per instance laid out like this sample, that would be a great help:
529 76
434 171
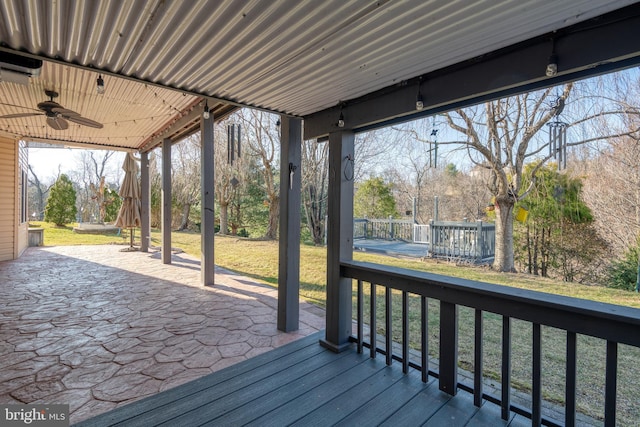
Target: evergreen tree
558 238
113 203
61 206
374 199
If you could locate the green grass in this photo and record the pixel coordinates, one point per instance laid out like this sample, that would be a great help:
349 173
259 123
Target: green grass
64 236
258 259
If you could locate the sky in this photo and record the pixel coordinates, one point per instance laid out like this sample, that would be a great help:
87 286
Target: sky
47 161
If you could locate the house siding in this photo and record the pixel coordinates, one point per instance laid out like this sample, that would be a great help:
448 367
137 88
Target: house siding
14 233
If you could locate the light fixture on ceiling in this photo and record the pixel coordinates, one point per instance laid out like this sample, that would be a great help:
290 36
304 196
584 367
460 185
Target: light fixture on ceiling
100 85
552 66
419 100
205 113
341 117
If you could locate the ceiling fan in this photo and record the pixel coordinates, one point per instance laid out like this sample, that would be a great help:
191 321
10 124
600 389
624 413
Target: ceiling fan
57 115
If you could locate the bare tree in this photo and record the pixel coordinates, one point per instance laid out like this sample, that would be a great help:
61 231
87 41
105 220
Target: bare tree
185 177
90 181
230 183
501 137
315 156
41 191
263 141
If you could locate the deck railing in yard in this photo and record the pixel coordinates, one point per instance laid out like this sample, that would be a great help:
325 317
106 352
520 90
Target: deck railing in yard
383 229
576 317
470 240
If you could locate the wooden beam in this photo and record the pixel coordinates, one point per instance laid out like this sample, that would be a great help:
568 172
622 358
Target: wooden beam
145 203
166 201
339 239
207 175
289 242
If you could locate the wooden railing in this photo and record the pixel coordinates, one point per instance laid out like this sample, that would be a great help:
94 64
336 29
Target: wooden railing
383 229
575 317
471 240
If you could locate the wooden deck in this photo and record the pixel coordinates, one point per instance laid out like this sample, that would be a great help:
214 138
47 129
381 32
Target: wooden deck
304 384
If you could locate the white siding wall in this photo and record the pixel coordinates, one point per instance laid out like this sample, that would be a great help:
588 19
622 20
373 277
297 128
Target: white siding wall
22 214
13 234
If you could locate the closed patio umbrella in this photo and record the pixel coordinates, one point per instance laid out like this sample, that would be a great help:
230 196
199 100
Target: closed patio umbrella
129 214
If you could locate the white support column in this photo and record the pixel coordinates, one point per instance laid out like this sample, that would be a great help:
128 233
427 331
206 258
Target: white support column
166 201
289 242
339 239
207 174
145 203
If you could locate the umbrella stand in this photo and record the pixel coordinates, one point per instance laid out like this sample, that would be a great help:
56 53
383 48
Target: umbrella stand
131 248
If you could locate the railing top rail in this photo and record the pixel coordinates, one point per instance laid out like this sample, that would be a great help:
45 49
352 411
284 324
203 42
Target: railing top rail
473 224
602 320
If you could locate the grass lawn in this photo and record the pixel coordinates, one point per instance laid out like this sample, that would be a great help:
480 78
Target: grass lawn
258 259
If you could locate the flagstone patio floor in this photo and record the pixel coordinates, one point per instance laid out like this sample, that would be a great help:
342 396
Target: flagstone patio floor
97 328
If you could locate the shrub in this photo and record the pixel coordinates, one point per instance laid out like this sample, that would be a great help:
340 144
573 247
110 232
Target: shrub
61 205
623 273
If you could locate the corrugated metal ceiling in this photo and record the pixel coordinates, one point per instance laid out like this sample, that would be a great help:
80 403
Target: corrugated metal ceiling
130 112
290 56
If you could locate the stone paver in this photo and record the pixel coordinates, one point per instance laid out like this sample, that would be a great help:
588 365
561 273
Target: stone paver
98 328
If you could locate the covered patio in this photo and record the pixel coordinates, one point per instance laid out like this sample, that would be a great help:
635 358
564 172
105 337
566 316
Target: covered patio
330 69
97 328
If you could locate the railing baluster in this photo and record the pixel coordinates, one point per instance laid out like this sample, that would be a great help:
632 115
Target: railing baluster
570 392
373 329
448 380
424 332
536 379
611 383
477 360
506 367
564 316
388 325
405 332
360 316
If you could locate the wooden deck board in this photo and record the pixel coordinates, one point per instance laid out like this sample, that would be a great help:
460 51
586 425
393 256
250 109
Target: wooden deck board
316 389
276 395
489 415
346 402
386 403
304 384
242 389
126 415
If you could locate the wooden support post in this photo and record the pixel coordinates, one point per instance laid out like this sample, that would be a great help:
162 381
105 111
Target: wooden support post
339 239
289 242
145 203
448 381
207 227
166 201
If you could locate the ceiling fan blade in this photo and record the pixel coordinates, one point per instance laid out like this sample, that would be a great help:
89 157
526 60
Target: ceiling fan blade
57 123
84 122
18 115
65 113
18 106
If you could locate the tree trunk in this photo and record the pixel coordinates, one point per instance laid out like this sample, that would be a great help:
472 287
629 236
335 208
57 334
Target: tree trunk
529 250
504 235
274 213
536 251
314 213
224 218
184 221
